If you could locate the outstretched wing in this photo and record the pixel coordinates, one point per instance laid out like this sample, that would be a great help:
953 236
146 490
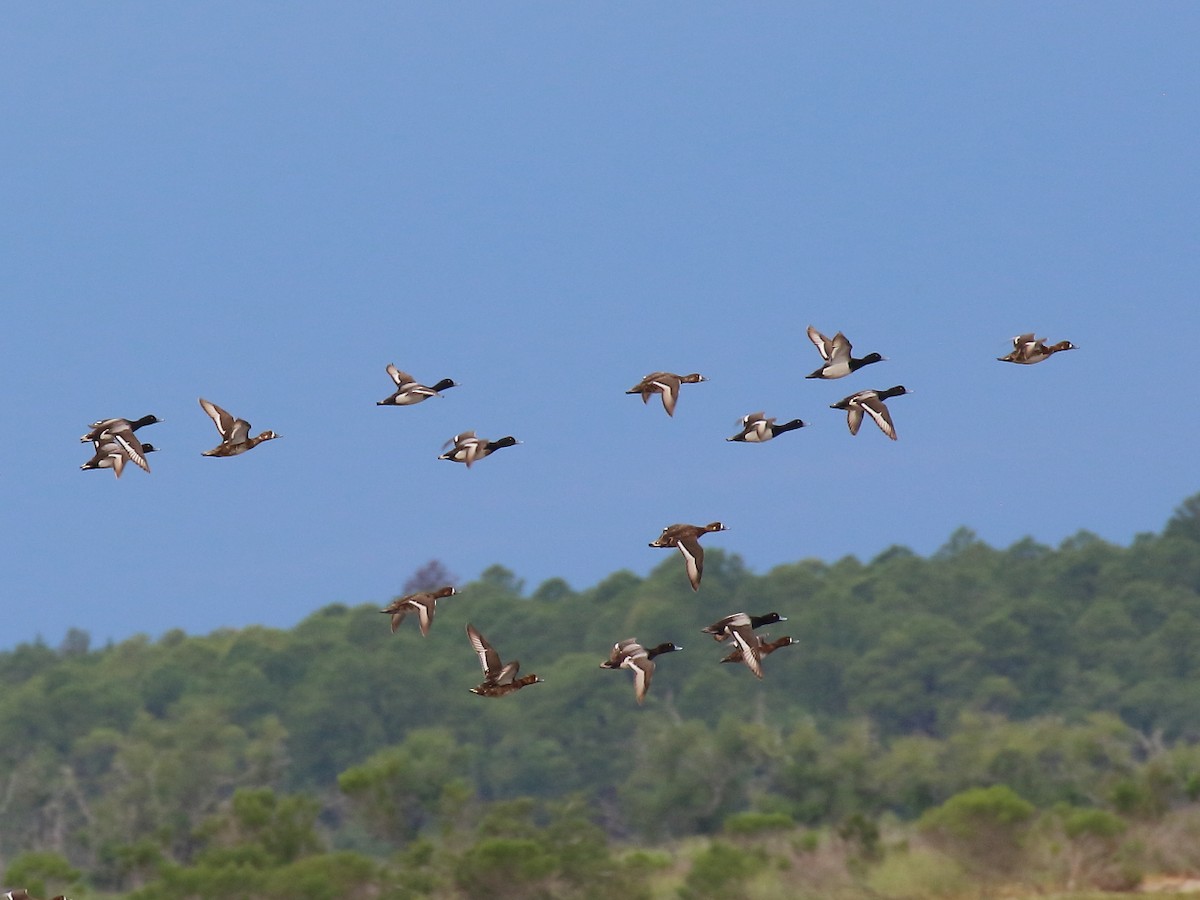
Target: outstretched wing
489 659
401 378
693 557
879 412
226 423
747 642
823 344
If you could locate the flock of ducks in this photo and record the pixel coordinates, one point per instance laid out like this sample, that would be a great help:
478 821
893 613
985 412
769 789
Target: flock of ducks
116 444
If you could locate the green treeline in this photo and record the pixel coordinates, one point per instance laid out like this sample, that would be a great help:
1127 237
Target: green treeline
337 753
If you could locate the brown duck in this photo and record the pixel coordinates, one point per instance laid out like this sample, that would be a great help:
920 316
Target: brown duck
664 383
687 539
235 433
423 603
765 648
1028 350
499 679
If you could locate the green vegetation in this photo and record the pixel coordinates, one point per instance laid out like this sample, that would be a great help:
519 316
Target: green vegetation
982 716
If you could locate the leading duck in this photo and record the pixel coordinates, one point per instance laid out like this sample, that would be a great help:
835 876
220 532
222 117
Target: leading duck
687 539
667 384
836 353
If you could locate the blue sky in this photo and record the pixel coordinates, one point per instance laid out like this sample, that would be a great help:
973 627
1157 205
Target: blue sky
265 204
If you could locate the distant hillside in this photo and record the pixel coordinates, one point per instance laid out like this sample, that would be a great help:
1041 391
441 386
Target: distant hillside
903 661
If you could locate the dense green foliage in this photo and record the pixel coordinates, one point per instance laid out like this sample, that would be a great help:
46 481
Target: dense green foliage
1066 676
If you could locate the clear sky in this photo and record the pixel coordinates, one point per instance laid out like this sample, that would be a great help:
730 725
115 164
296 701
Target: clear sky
264 204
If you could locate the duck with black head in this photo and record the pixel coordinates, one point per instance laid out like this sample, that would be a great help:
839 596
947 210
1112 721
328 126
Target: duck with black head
836 353
409 391
469 449
629 654
871 403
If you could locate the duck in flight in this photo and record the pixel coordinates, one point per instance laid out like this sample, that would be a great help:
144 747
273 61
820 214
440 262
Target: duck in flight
629 654
423 603
757 428
498 679
870 402
739 627
1028 350
836 353
116 444
469 449
664 383
409 391
687 539
113 454
235 433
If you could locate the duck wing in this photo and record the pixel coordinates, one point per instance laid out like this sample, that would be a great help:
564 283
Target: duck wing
232 430
489 659
129 447
746 641
643 669
425 608
509 672
879 412
668 385
823 344
397 617
839 349
400 378
693 558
